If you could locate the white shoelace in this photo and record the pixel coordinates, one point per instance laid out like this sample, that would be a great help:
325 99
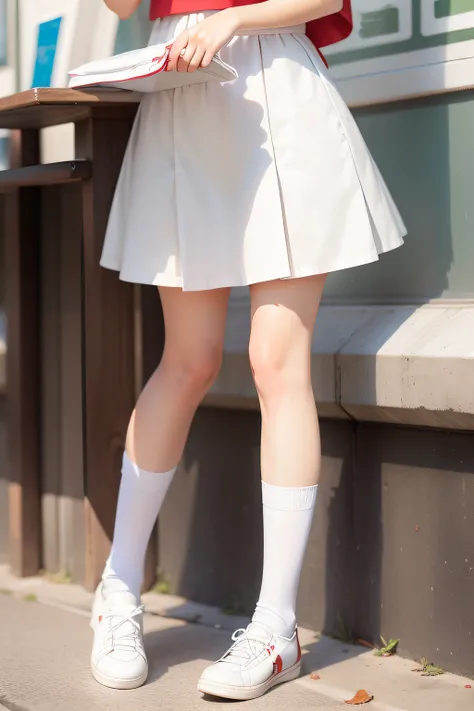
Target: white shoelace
124 633
246 647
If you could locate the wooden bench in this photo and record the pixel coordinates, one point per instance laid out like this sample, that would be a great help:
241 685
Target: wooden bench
73 369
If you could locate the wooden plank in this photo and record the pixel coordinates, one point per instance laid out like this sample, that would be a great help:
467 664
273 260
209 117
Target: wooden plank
50 378
108 345
44 175
62 409
71 511
39 108
23 372
4 545
59 96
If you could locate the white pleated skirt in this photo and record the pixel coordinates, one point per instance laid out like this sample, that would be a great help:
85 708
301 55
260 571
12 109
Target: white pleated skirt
266 177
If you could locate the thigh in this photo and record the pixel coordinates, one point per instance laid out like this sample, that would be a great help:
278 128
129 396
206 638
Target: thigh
194 320
283 314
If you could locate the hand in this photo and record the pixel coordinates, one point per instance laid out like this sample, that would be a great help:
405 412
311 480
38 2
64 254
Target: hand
197 46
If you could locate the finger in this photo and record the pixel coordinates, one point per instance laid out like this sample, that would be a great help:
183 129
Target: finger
178 45
185 56
196 60
208 57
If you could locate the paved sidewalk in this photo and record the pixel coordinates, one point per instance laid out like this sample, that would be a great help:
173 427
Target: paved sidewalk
44 661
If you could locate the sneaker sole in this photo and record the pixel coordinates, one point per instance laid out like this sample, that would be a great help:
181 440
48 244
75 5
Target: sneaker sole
245 693
112 683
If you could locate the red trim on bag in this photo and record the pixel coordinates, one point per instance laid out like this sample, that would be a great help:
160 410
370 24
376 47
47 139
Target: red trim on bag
162 68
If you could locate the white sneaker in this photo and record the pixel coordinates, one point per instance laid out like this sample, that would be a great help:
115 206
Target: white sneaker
258 660
118 656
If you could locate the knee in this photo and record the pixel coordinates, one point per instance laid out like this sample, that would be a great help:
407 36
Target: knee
270 368
195 371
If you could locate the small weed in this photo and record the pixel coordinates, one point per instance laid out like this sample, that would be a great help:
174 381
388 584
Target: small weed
428 668
162 587
30 597
388 649
5 591
234 609
62 577
342 635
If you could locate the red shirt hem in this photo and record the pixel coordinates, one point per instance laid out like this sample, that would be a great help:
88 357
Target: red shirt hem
323 32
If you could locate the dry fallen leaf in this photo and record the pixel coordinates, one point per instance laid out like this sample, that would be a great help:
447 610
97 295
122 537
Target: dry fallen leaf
362 697
468 686
314 676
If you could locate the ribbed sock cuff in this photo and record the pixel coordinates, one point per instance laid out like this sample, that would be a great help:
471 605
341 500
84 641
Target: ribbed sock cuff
289 498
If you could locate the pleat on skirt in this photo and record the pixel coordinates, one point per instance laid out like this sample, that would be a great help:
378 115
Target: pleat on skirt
265 177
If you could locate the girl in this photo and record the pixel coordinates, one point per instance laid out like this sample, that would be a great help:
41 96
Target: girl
264 181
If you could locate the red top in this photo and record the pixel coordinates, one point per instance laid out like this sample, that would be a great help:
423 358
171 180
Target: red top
323 32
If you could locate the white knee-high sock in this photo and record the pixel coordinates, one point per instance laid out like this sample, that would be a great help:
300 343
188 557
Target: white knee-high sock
287 516
141 495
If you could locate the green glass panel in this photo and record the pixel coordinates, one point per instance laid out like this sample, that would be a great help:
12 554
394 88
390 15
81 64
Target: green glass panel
446 8
425 151
381 22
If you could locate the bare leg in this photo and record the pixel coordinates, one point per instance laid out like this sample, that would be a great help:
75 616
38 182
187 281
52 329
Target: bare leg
283 317
194 328
194 333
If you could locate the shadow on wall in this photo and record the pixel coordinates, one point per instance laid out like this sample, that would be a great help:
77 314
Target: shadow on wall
211 547
414 490
391 550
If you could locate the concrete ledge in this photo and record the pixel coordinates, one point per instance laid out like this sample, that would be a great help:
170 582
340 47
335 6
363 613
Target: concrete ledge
399 364
410 365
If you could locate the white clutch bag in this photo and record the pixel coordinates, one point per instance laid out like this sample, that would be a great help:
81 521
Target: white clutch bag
144 71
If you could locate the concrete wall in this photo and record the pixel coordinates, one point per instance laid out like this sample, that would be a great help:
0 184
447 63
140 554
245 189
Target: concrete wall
391 550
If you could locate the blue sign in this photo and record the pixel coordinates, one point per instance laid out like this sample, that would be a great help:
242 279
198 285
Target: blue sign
48 34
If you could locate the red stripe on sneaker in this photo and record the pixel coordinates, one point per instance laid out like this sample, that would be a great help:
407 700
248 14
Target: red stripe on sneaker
278 665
